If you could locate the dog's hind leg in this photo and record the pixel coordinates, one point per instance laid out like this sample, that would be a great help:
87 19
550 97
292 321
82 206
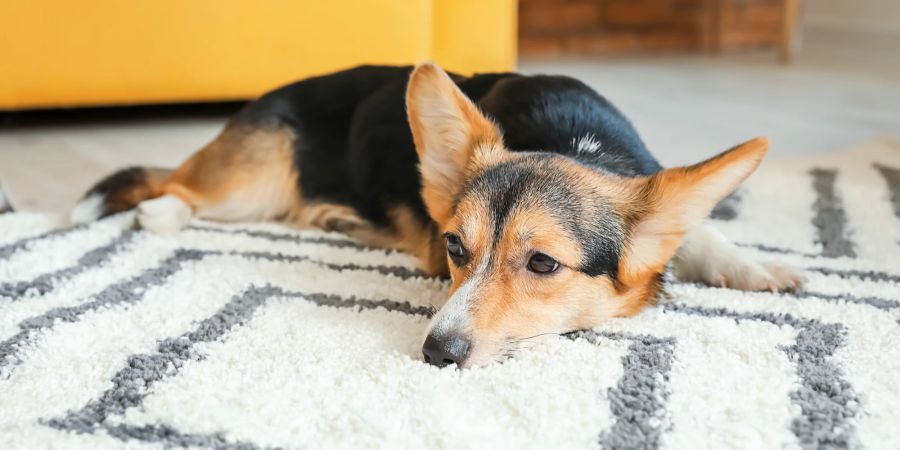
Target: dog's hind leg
707 256
246 173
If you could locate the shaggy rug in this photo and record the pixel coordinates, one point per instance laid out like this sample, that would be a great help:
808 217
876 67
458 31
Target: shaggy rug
259 336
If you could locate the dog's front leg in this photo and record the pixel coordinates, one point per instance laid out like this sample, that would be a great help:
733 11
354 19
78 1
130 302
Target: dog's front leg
707 256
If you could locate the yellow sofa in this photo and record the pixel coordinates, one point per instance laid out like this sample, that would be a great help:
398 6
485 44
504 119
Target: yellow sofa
63 53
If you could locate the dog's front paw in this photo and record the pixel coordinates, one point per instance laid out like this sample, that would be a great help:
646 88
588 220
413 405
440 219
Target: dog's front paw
706 256
730 268
783 276
755 276
748 275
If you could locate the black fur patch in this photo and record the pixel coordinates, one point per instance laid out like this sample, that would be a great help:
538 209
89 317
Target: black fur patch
126 188
547 113
354 147
125 178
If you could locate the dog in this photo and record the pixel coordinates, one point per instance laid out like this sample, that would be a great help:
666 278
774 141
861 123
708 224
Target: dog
533 193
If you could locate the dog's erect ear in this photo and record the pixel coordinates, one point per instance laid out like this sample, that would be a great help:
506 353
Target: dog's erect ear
673 201
452 137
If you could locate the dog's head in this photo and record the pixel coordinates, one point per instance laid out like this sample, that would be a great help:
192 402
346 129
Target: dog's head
538 243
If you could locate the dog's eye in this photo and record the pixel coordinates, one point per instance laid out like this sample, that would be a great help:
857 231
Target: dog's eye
541 263
455 249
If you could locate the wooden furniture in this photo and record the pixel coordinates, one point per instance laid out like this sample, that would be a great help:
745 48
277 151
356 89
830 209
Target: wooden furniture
788 28
624 27
790 10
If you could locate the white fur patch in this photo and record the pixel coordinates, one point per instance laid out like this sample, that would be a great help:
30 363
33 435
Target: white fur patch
587 144
454 315
163 215
87 209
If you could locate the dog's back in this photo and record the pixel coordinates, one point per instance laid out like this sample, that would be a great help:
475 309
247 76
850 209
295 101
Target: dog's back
349 136
356 147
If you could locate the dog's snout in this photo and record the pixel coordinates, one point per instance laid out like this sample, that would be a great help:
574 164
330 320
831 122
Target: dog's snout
443 350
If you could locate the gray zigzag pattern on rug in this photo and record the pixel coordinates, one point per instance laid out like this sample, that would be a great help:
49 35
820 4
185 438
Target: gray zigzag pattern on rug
122 292
636 402
874 275
629 420
811 433
98 256
132 290
9 249
826 399
44 283
830 410
159 274
131 384
891 176
830 218
289 237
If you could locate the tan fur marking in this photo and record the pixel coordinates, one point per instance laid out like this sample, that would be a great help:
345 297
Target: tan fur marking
248 174
663 207
406 232
451 136
422 240
329 217
244 174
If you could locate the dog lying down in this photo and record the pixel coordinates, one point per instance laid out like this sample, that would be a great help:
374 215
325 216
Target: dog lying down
534 193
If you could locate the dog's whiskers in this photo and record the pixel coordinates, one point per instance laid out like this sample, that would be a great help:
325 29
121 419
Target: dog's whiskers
512 346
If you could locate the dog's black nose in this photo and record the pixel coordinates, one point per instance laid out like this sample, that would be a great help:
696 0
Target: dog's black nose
443 350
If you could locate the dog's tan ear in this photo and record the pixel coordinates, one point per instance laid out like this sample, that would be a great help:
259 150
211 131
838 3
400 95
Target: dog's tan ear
452 137
679 199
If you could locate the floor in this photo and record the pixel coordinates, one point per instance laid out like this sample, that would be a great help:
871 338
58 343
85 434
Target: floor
844 88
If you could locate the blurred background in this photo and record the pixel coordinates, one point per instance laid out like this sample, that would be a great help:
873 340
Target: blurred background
88 87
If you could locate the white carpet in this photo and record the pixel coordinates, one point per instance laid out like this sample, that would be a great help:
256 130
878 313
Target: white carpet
258 336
